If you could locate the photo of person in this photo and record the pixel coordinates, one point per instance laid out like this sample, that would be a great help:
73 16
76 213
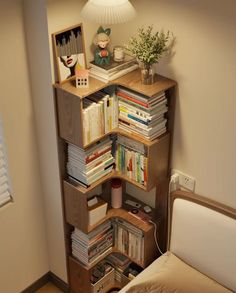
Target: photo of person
69 49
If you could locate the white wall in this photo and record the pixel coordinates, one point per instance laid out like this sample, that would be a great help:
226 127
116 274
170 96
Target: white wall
23 250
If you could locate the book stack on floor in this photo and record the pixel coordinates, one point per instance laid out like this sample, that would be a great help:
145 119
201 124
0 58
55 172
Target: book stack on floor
120 262
129 240
131 159
88 248
113 70
86 166
100 115
142 115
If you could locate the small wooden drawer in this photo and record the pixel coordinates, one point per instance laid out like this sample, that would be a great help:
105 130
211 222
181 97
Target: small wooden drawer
105 283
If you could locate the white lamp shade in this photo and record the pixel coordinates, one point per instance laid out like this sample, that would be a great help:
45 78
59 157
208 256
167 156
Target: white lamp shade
108 11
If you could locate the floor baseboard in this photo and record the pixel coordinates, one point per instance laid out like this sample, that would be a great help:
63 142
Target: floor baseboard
48 277
59 283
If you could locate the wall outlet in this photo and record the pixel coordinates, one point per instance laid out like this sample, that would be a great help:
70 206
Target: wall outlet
185 180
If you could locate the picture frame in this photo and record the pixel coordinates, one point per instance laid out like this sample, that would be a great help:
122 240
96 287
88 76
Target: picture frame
69 51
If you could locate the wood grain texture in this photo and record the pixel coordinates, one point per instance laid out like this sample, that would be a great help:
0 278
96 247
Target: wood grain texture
69 111
79 277
76 208
130 80
158 155
76 211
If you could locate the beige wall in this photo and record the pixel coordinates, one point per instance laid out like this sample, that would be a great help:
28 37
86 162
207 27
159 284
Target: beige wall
42 95
204 66
23 251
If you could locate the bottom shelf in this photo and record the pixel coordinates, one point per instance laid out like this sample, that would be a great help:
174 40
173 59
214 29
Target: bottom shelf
100 279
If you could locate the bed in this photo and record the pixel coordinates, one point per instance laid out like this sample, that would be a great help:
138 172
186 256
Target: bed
202 251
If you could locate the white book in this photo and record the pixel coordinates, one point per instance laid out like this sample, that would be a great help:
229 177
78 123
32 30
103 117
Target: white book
115 76
114 65
100 167
86 128
110 113
92 113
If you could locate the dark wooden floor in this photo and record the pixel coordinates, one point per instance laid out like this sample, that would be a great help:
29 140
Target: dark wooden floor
49 288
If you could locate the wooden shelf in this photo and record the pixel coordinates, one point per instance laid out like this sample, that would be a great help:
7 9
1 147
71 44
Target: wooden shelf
124 215
135 136
130 80
69 108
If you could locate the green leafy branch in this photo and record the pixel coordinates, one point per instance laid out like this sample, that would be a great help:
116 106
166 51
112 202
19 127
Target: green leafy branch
149 47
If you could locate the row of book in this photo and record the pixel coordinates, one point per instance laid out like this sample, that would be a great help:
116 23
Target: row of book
129 240
113 70
132 164
86 166
142 115
88 248
100 115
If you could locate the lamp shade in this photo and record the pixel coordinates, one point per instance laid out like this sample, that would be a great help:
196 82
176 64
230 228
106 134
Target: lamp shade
108 11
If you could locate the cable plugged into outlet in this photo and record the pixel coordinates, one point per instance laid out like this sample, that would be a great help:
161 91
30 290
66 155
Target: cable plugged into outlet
185 181
174 182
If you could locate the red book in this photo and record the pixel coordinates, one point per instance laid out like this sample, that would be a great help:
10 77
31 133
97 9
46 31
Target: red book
96 155
123 95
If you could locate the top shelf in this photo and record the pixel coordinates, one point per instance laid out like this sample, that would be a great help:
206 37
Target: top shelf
130 80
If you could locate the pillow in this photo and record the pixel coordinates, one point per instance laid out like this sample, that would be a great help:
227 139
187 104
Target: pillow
176 276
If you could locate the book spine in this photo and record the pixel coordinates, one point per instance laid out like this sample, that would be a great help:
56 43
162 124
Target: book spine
111 115
86 128
127 97
97 154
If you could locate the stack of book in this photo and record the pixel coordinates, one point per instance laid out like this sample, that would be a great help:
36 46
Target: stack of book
142 115
131 159
120 262
113 70
89 165
129 240
88 248
103 109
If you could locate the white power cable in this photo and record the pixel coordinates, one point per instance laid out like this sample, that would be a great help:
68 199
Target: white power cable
155 236
174 179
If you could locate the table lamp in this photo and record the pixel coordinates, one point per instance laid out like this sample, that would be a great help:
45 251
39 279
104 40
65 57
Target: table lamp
107 12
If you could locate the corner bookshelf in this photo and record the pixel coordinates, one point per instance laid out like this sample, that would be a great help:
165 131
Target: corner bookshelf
69 107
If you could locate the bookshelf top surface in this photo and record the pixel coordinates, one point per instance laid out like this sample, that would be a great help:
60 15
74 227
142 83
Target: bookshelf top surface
130 80
126 216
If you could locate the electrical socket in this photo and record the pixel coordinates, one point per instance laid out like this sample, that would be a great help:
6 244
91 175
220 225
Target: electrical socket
185 180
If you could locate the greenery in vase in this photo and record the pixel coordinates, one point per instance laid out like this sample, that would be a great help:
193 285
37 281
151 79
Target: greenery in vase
149 47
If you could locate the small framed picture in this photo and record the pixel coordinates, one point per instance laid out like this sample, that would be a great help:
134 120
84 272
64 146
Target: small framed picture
69 51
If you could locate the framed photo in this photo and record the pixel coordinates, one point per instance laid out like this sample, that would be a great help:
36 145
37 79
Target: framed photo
69 51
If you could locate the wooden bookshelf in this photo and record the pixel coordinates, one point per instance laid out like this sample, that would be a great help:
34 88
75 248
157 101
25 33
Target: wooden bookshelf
69 106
